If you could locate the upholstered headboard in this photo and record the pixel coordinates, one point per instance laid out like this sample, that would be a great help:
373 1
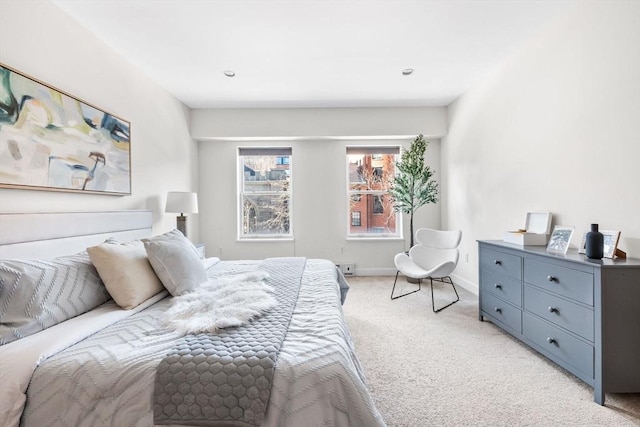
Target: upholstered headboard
48 235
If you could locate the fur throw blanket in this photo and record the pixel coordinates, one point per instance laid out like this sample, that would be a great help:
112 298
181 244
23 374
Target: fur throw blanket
221 303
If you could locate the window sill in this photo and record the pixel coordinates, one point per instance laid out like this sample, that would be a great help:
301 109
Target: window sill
380 238
264 239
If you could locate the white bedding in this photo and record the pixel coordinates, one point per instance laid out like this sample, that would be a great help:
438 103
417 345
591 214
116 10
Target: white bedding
318 379
20 358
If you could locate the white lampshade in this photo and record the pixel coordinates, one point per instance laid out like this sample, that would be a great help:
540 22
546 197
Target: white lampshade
182 202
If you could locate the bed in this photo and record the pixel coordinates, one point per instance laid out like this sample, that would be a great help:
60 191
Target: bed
86 360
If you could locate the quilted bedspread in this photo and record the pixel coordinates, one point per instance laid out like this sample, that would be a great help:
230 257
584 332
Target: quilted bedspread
108 378
214 379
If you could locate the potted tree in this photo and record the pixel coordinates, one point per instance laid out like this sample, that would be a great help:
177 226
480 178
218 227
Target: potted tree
413 186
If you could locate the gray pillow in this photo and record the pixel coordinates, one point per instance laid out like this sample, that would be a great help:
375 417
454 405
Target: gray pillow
176 261
38 294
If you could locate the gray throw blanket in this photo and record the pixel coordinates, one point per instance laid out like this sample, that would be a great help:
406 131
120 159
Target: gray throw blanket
224 379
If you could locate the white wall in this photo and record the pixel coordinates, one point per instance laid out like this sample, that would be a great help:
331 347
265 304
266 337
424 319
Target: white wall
40 40
318 122
557 128
318 138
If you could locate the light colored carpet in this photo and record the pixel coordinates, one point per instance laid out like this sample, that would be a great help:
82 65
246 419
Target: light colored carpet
450 369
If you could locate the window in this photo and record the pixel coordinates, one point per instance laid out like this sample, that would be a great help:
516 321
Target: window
355 219
370 173
378 207
265 192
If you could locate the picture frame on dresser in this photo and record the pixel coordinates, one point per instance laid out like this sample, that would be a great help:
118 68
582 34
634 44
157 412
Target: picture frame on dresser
611 239
560 239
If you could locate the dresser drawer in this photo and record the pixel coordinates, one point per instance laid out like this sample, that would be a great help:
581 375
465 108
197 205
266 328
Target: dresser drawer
573 317
501 311
501 263
507 288
560 344
574 284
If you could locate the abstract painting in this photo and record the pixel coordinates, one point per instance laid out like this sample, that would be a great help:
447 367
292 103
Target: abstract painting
50 140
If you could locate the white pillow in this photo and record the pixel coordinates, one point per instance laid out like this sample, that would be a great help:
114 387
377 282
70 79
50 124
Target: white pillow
207 263
125 271
176 261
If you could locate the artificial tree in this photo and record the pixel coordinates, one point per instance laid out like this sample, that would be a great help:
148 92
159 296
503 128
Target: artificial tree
413 186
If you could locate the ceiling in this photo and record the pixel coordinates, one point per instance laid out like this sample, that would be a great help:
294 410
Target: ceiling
315 53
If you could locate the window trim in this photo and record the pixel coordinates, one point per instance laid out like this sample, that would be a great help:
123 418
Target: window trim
363 235
276 151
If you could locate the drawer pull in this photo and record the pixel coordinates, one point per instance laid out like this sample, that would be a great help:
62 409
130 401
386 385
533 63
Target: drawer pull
497 262
552 310
498 310
552 279
551 340
498 286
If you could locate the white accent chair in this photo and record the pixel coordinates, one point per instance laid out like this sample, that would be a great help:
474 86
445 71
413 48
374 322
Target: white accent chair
434 257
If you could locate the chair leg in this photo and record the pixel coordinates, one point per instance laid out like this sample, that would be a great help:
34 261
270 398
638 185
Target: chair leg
403 295
442 279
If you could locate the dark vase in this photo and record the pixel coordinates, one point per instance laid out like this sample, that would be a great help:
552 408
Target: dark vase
594 245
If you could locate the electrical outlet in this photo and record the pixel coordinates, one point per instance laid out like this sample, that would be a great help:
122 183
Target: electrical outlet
347 268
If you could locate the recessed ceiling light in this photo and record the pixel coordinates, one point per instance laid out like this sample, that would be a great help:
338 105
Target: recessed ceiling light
229 73
407 71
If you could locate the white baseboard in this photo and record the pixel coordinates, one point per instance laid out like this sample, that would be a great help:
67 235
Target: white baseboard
464 283
459 281
375 271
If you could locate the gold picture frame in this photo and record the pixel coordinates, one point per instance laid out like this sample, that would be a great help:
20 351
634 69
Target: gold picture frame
53 141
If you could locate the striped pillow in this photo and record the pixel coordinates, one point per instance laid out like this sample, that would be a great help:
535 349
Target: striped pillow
38 294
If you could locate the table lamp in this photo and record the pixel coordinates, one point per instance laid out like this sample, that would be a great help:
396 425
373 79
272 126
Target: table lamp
182 202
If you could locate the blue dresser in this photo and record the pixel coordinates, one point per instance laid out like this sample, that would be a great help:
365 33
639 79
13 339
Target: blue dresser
582 314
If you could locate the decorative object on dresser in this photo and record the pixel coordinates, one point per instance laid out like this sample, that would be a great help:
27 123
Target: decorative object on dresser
560 239
611 239
434 258
536 231
594 243
610 245
582 314
182 202
56 142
